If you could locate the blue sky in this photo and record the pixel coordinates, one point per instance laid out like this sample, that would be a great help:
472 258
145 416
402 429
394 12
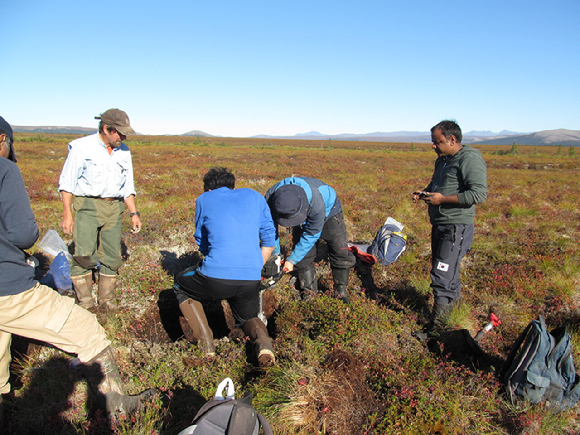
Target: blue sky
249 67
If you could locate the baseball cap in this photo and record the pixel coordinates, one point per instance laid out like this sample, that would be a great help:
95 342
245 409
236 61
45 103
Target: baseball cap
118 119
290 204
7 129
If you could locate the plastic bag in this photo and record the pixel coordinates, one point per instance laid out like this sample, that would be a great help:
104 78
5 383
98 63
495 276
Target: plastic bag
58 275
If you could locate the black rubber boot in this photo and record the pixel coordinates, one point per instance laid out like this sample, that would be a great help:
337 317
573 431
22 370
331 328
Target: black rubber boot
104 379
197 321
340 278
256 330
308 283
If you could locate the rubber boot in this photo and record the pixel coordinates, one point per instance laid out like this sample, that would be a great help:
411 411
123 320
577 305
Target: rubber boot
256 330
440 313
340 278
83 285
107 292
197 321
104 379
308 283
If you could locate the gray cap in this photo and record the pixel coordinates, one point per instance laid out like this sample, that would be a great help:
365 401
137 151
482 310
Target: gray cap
118 119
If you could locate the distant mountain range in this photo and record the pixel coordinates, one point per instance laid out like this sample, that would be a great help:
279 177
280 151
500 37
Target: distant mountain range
548 137
505 137
56 130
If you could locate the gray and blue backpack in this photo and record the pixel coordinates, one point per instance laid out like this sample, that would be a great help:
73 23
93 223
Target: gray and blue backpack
540 368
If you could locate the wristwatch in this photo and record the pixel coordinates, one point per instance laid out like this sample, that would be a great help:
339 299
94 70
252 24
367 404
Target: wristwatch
135 214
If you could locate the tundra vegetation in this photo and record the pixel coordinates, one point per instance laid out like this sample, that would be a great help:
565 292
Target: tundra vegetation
341 369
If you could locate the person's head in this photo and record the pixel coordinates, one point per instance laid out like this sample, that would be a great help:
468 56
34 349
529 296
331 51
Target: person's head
289 205
6 141
218 177
114 127
446 137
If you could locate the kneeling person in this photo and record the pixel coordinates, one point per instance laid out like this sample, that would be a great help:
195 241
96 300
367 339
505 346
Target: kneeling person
235 232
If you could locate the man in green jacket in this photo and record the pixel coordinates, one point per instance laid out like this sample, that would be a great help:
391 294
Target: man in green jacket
459 182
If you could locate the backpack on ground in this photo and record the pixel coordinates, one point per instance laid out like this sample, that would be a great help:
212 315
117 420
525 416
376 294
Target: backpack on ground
389 243
540 367
226 415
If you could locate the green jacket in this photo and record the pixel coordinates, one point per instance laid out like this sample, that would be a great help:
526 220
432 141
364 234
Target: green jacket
464 174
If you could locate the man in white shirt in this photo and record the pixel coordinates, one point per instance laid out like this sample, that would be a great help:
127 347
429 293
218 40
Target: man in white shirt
97 182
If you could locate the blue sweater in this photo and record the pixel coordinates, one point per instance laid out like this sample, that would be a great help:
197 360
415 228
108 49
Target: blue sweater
322 205
230 227
18 231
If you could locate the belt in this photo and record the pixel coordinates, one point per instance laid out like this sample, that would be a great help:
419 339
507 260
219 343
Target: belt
104 199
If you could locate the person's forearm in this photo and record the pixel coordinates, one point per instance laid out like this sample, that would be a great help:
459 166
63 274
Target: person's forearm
266 252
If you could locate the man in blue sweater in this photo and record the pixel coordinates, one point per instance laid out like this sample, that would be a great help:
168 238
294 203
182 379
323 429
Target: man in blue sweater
35 311
235 233
313 210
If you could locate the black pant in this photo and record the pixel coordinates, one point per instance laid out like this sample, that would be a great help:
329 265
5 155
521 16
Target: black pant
242 296
334 234
449 244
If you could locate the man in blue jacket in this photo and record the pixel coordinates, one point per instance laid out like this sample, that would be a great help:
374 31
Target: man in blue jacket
312 209
35 311
235 233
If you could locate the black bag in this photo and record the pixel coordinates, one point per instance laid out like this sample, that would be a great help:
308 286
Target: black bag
228 416
540 367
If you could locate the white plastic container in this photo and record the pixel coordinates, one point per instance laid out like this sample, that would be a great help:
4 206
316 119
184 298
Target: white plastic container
52 244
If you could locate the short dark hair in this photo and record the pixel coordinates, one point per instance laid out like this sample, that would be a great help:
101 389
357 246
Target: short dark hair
449 128
110 128
218 177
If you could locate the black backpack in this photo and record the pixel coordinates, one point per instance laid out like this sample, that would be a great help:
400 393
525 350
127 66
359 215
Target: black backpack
540 367
228 416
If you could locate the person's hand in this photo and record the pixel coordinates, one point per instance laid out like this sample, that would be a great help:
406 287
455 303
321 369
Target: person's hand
67 224
420 195
434 198
288 267
136 220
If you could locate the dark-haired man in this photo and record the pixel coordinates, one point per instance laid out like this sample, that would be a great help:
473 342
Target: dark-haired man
97 182
35 311
313 211
235 233
459 182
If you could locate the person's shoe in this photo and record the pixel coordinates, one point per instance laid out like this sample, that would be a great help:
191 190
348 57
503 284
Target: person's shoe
83 285
258 334
118 404
104 380
340 277
308 283
195 315
107 292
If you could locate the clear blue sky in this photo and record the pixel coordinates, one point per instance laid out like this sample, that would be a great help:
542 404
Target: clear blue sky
280 67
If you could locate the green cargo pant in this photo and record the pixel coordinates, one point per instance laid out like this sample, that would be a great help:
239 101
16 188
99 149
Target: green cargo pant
97 235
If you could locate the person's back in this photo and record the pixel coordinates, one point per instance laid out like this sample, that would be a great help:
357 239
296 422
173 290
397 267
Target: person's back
18 231
229 230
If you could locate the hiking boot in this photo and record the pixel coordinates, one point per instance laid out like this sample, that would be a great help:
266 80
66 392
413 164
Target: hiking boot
83 285
258 334
340 277
107 292
197 321
308 283
104 380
